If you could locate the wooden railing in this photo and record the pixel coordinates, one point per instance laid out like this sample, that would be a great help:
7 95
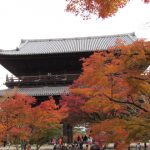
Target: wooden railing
49 78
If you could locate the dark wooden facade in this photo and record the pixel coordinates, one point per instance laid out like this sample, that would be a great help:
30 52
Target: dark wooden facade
34 65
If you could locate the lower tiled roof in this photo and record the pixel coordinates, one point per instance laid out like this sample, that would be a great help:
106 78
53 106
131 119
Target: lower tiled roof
39 91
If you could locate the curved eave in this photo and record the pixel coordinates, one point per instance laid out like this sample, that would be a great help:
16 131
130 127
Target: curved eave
47 53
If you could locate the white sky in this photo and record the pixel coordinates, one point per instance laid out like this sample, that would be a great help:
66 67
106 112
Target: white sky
38 19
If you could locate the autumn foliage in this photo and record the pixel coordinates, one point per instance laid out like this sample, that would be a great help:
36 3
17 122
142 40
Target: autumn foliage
74 103
117 89
19 121
100 8
109 130
13 116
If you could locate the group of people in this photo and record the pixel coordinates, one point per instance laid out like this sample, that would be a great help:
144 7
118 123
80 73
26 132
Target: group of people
80 140
56 141
85 139
76 147
78 143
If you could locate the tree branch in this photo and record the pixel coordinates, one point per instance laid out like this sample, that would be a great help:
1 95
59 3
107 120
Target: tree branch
126 102
142 79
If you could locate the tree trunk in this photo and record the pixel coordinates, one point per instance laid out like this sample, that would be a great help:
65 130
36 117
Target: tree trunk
38 146
67 133
23 145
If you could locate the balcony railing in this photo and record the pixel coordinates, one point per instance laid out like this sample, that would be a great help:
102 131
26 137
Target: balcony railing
41 79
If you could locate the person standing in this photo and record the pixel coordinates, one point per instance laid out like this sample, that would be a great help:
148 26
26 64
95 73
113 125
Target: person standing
53 141
90 140
60 141
78 138
138 146
28 147
85 139
78 141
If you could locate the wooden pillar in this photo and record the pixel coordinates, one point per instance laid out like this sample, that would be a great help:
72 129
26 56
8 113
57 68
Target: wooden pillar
67 133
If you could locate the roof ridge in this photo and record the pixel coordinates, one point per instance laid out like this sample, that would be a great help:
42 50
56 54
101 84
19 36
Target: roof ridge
23 43
133 36
86 37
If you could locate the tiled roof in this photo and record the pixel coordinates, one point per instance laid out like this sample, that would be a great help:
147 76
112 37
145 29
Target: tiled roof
69 45
39 91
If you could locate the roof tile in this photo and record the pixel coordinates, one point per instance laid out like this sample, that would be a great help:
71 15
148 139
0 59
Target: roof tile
39 91
69 45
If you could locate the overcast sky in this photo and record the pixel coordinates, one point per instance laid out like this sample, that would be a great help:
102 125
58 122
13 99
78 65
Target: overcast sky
44 19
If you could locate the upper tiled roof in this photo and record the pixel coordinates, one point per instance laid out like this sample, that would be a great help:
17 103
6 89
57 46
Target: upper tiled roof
40 91
69 45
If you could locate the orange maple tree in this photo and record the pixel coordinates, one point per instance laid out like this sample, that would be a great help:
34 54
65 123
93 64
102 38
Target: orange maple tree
44 118
116 84
100 8
20 121
110 130
13 116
